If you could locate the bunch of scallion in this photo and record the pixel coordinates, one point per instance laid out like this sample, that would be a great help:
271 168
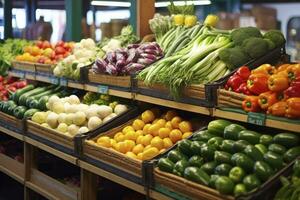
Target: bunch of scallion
198 62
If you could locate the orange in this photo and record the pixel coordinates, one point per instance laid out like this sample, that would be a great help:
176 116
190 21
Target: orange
185 126
157 142
147 139
186 135
170 115
131 135
175 122
169 125
127 128
148 116
139 139
104 141
131 155
146 128
164 132
161 122
150 153
167 143
138 124
138 149
153 129
175 135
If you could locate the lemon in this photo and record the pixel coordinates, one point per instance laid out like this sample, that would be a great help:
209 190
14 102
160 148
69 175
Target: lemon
169 125
167 143
131 155
153 129
146 128
185 126
104 141
175 135
148 116
175 122
138 124
170 115
157 142
161 122
147 139
127 129
138 149
164 132
139 139
131 135
186 135
150 153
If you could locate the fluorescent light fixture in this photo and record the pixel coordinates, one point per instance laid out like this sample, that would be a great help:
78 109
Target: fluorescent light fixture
181 3
157 4
111 3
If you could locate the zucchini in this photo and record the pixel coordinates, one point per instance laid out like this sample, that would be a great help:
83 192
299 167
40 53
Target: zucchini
286 139
40 95
19 92
23 97
30 112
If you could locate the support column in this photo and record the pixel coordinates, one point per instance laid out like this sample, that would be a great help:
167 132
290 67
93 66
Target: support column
7 19
74 16
88 182
30 9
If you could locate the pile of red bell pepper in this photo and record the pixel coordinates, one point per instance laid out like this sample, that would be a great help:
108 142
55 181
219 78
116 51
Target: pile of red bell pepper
10 85
269 89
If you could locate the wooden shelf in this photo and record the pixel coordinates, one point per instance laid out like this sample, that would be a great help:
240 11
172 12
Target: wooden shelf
269 122
12 168
11 133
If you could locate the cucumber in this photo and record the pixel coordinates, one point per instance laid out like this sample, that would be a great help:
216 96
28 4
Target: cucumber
286 139
30 112
40 95
23 97
19 92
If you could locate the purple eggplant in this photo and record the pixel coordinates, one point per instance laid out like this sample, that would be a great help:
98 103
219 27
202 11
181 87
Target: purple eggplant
111 57
148 46
111 69
99 66
133 46
149 56
133 56
133 68
120 64
145 61
152 51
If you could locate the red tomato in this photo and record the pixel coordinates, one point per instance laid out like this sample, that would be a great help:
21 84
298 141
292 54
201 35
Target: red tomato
60 44
46 45
60 50
39 44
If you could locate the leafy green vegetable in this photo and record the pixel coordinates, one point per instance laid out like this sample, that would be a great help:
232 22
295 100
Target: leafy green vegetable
255 47
234 57
275 36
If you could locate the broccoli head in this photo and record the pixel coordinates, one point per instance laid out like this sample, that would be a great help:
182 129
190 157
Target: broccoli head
271 44
234 57
275 36
240 34
255 47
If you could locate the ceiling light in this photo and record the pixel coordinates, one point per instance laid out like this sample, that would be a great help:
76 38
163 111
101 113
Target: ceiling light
182 3
111 3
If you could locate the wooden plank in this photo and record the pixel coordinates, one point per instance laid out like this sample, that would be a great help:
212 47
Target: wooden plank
51 150
145 12
12 168
118 93
173 104
88 185
73 84
12 133
30 156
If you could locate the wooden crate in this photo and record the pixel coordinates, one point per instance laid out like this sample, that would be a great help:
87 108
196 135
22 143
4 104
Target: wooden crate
12 122
230 99
24 66
186 187
12 167
110 156
51 135
44 68
192 91
119 81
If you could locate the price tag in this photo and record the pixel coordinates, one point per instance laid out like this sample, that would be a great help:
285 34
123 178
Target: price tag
21 74
63 82
103 89
256 118
54 80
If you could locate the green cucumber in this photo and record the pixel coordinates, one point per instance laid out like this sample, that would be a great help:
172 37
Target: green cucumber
23 97
30 112
19 92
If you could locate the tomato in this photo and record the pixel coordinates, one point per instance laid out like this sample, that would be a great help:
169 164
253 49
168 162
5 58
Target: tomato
39 44
46 45
60 44
59 50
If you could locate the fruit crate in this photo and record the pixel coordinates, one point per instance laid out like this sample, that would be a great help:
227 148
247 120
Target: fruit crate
44 68
24 66
67 143
12 123
112 160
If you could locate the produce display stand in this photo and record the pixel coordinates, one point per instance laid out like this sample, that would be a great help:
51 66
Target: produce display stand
26 66
12 124
12 167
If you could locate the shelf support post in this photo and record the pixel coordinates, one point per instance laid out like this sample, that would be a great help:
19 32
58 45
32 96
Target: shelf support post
88 184
74 16
8 33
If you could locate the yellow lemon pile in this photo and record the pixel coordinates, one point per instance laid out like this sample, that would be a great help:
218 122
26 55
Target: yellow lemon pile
149 135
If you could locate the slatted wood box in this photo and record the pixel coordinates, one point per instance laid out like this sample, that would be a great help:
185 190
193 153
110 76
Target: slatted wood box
24 66
12 123
44 68
12 167
230 99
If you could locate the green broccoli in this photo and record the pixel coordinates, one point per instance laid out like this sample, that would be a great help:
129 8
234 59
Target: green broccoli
275 36
234 57
271 44
255 47
240 34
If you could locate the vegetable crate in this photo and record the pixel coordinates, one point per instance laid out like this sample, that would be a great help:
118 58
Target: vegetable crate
120 82
44 68
67 143
24 66
194 94
226 98
12 123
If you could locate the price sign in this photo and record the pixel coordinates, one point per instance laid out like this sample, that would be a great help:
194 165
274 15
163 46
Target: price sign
256 118
63 82
21 74
103 89
54 80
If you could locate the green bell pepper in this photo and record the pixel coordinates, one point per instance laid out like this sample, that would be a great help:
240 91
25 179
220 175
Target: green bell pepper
251 182
196 161
224 185
237 174
217 127
239 189
232 131
266 140
263 170
223 169
253 153
180 166
166 165
197 175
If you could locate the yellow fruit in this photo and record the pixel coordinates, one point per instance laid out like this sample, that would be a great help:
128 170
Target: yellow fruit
185 126
147 147
140 156
124 147
157 142
156 120
167 143
186 135
153 129
176 121
138 149
170 115
146 129
117 135
131 155
139 132
138 124
164 132
156 112
120 138
127 128
162 150
161 122
104 141
131 135
139 139
147 139
150 153
169 125
113 143
130 144
148 116
175 135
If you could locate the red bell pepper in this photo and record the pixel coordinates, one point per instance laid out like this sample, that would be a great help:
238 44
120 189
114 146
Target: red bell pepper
258 83
294 89
293 107
1 78
278 109
244 72
250 104
234 82
243 89
21 84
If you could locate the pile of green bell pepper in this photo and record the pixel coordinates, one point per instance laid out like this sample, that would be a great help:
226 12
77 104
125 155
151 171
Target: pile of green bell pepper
230 158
